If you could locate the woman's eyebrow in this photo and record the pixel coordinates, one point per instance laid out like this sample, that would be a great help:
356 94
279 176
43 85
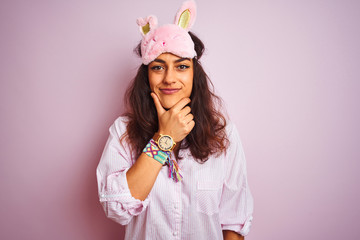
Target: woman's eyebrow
176 61
159 60
182 59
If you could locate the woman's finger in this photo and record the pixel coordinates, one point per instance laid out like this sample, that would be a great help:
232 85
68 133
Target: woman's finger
181 104
159 108
185 111
191 125
188 118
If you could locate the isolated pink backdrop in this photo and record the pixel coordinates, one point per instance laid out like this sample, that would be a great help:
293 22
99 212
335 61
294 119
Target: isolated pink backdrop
288 72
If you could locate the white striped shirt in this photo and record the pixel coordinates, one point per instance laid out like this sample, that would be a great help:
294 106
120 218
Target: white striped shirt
212 197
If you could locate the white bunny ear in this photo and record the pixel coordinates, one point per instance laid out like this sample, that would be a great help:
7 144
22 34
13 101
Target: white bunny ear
186 15
147 24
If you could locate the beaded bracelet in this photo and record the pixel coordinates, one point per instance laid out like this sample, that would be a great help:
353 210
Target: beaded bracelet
163 157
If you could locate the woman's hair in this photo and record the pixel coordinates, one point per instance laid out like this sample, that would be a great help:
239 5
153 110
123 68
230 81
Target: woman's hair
206 138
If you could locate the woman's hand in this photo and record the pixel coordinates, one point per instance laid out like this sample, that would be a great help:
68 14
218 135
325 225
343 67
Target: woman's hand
231 235
177 121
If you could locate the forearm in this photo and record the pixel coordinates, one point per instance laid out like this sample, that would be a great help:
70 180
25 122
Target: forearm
231 235
142 176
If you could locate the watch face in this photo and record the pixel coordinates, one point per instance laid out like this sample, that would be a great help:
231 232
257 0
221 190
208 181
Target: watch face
165 143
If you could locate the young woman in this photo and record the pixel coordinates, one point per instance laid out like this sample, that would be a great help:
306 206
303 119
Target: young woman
173 167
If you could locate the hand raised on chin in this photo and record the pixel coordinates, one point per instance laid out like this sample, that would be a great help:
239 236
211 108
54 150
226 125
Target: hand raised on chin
177 121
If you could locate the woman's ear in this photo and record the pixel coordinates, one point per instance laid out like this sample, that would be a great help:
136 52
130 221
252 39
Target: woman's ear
147 24
186 15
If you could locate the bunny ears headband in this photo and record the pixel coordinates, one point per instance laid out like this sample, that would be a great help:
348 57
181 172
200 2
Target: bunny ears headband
171 38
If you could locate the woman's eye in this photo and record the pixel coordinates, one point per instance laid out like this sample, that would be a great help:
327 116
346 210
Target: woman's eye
156 68
183 67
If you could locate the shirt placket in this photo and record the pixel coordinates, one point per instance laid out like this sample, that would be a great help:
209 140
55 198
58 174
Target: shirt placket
177 209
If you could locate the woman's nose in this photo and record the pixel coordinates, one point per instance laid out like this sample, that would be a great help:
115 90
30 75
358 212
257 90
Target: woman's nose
169 77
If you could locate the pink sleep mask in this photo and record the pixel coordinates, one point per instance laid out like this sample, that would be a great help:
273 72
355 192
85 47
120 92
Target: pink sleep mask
171 38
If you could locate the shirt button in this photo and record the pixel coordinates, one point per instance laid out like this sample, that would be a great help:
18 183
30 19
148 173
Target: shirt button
175 206
175 233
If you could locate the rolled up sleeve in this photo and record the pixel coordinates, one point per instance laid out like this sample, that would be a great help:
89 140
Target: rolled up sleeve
114 193
237 204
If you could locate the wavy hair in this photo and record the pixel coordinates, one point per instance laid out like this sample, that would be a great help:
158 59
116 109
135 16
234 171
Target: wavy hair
208 135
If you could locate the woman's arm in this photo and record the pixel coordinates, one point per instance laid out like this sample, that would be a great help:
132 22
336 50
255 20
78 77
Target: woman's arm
231 235
236 204
176 122
142 175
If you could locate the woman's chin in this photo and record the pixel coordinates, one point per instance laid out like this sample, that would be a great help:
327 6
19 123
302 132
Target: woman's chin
168 104
170 101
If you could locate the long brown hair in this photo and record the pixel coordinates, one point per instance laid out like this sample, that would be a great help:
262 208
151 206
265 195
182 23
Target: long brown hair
206 138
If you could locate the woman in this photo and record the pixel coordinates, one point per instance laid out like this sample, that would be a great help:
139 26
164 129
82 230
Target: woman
173 167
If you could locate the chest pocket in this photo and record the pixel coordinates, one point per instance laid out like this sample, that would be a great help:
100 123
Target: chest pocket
208 194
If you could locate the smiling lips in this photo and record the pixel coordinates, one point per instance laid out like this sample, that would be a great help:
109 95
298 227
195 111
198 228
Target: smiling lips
169 90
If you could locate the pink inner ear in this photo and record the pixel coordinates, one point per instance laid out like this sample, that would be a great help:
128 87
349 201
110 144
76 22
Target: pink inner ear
141 22
153 22
191 6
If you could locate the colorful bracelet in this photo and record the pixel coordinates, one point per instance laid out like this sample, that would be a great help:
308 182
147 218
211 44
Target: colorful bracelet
153 151
163 157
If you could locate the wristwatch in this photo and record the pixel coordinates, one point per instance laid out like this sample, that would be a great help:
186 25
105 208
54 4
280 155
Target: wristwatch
164 142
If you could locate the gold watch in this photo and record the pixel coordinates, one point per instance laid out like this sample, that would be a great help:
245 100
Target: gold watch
164 142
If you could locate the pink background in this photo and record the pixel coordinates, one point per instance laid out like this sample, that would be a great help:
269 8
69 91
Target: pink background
288 72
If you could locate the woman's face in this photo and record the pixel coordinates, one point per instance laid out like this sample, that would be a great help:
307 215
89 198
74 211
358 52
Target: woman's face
171 78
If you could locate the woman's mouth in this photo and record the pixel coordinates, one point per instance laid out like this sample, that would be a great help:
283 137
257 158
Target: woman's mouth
169 90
